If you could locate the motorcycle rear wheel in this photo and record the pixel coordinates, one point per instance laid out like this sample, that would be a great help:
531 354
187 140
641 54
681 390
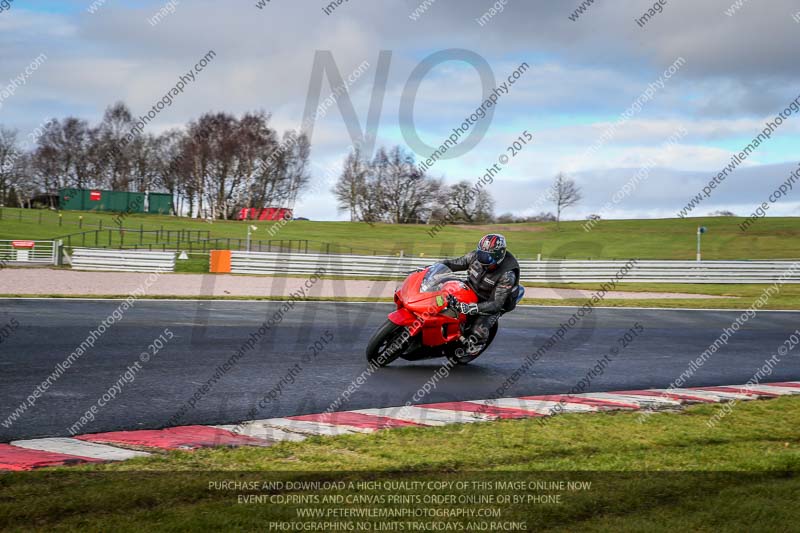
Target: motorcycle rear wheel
452 352
379 348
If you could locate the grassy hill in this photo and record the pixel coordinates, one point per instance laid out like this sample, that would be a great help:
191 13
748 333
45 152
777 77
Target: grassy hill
770 238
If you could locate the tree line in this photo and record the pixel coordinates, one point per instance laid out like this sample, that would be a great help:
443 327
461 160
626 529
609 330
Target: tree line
389 187
213 166
219 163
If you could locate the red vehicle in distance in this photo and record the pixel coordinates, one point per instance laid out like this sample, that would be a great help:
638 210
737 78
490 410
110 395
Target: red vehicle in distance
265 213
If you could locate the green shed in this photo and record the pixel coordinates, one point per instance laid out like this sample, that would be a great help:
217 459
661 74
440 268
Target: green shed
114 201
159 203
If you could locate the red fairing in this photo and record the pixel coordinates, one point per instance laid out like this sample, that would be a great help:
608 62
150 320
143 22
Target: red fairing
422 311
409 289
440 329
402 317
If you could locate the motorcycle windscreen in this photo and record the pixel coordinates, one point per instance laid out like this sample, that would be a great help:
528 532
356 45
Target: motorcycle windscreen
422 291
435 277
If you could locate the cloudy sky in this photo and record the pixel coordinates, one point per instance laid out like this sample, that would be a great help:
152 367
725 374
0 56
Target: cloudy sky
736 72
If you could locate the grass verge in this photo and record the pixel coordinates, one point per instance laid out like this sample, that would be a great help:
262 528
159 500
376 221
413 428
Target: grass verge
738 296
670 472
771 238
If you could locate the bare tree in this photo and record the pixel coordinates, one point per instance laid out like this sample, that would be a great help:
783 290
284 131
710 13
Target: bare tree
223 177
255 140
77 139
389 188
541 217
282 172
145 163
171 173
46 168
217 164
231 163
506 218
9 153
296 174
473 205
67 144
351 186
408 194
112 155
25 184
565 194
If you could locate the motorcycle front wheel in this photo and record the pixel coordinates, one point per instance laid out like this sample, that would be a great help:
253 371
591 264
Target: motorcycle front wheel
387 344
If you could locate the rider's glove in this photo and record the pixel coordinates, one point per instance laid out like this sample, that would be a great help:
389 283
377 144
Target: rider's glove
467 309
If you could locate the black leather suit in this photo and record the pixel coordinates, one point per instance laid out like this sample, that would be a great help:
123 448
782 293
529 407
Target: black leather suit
493 287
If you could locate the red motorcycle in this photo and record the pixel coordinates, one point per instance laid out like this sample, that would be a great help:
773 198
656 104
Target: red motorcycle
427 323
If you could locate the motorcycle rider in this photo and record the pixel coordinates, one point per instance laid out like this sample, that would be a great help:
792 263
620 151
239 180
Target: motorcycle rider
493 273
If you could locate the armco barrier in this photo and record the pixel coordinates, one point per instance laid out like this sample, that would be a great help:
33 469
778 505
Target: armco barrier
554 271
662 271
334 264
122 260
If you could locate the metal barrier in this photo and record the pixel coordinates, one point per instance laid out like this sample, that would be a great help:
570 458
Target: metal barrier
334 265
122 260
19 252
559 271
662 271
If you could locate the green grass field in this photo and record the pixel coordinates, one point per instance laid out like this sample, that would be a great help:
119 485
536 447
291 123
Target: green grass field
669 472
770 238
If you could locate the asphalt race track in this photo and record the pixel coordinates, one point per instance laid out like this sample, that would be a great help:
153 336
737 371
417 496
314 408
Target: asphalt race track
208 333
